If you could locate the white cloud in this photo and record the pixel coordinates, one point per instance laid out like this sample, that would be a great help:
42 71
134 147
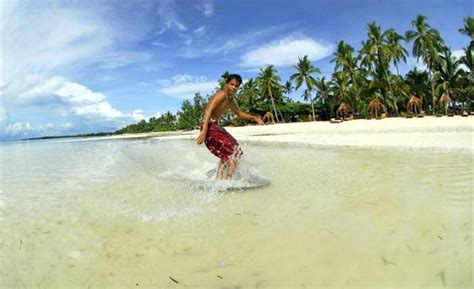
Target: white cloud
119 59
67 125
286 51
168 15
184 86
41 40
137 115
3 115
19 128
143 83
73 98
200 31
206 7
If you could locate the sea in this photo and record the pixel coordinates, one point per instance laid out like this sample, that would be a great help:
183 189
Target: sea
143 213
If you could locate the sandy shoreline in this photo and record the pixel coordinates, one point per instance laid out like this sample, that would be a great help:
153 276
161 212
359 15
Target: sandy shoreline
415 133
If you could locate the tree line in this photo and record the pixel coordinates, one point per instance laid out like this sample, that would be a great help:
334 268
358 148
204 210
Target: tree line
359 77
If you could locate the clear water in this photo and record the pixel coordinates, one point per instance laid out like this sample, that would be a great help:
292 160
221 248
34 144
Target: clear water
126 214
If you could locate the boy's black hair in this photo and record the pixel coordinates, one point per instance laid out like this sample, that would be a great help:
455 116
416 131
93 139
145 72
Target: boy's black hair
234 76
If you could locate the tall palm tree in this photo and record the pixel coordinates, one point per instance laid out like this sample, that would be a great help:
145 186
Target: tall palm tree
347 62
419 83
248 95
398 53
427 44
268 83
305 69
468 60
376 50
287 89
468 28
340 87
323 91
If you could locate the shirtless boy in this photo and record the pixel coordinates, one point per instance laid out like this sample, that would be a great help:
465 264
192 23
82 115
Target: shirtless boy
217 139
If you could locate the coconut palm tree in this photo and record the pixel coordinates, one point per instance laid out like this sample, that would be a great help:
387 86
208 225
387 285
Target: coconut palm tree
305 69
418 80
427 44
268 83
287 89
449 71
323 91
398 53
468 60
347 62
468 28
248 96
377 55
340 87
223 79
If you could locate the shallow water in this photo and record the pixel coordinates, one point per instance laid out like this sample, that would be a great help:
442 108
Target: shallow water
126 214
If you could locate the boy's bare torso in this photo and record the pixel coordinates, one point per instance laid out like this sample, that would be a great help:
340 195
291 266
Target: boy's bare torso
223 102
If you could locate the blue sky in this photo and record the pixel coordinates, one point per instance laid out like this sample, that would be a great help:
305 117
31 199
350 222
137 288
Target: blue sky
73 67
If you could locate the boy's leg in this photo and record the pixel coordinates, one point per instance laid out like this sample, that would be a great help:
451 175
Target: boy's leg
232 166
220 170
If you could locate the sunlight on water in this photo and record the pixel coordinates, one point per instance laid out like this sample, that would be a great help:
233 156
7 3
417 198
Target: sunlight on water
138 213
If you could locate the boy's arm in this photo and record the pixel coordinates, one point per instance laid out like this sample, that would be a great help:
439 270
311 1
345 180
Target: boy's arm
241 114
218 97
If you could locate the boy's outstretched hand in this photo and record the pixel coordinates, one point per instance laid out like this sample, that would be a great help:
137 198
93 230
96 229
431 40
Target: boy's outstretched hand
258 120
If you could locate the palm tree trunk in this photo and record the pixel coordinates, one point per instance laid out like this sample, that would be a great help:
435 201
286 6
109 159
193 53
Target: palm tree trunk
433 93
274 107
312 107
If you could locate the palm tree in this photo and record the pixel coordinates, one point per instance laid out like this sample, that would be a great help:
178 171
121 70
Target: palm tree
427 44
268 83
468 28
248 96
340 87
323 91
397 52
305 69
468 60
347 62
223 79
287 89
377 55
448 71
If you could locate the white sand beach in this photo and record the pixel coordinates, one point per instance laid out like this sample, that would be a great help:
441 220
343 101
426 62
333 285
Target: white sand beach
427 133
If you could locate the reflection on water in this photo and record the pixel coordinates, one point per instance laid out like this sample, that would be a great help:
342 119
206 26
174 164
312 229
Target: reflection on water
107 214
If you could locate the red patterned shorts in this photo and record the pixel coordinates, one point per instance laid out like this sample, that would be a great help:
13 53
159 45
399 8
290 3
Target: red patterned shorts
221 143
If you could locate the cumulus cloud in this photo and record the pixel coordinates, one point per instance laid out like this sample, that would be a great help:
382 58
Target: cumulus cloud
184 86
19 129
73 97
137 115
286 52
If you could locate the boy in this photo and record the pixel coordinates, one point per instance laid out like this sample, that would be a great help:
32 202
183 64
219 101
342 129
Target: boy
218 140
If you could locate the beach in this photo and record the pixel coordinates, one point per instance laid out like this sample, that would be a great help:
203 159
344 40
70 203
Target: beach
414 133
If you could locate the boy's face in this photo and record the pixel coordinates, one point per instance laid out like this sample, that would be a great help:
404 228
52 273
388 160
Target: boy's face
232 86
